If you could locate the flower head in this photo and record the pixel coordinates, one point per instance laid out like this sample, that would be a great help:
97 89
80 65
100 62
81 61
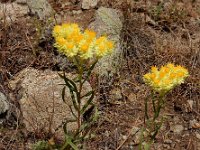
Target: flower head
72 42
57 31
103 46
166 78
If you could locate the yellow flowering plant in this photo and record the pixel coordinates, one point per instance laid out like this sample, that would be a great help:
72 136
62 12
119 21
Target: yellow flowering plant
84 48
161 81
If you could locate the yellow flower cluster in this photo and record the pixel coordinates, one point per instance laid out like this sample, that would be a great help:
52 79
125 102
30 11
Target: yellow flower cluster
72 42
166 78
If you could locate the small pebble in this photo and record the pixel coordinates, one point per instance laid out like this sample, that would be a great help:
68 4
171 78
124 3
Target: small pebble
76 12
124 137
166 146
198 136
168 141
177 128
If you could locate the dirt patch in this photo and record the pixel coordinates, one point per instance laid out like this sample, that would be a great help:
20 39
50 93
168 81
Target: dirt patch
165 39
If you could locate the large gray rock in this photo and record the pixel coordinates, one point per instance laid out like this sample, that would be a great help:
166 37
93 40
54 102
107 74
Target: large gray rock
108 22
11 12
41 8
40 99
4 106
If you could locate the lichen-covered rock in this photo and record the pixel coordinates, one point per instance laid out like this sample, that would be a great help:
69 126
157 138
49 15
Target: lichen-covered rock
41 8
4 106
40 99
108 22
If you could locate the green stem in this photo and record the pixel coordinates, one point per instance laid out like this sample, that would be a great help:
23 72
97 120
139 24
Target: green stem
89 69
66 146
146 109
80 72
79 64
157 128
141 138
159 106
153 101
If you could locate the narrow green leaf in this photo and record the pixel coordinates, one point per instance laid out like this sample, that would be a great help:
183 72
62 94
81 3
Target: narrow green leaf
73 84
63 94
88 102
65 128
87 94
72 88
90 70
70 107
69 141
146 146
72 96
85 134
74 100
68 82
60 75
83 126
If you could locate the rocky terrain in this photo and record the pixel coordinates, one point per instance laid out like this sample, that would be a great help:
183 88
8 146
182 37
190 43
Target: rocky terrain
145 32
